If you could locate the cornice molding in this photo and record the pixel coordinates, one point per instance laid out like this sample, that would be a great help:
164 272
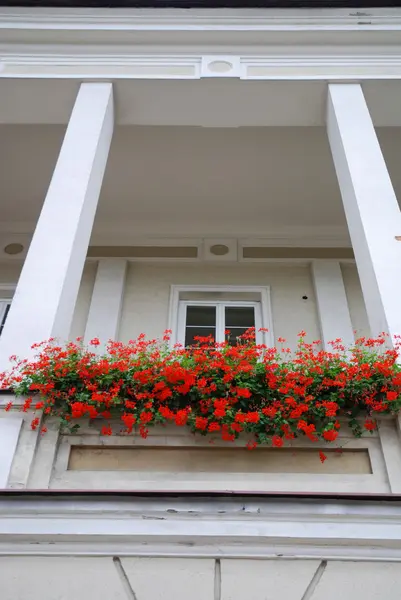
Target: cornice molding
387 19
180 44
215 29
287 66
118 235
259 528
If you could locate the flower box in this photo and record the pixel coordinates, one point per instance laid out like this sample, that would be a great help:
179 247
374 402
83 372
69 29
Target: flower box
260 395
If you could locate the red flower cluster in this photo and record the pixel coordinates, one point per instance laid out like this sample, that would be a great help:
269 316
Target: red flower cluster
266 395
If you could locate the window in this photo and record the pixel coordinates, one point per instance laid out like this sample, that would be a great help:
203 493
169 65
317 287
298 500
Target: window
212 311
4 308
202 318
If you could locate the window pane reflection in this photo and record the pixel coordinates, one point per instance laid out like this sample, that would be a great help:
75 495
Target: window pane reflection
201 316
240 316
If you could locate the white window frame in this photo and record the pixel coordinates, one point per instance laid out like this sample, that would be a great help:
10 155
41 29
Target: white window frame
263 313
220 305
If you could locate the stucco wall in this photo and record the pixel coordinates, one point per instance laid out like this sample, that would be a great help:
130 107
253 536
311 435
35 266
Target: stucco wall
175 547
147 290
146 301
150 578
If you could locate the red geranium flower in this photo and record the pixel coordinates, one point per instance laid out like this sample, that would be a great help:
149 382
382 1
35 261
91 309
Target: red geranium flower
330 435
106 430
212 387
251 445
201 423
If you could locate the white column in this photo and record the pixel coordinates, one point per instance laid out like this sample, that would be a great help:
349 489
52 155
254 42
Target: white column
105 308
45 297
370 204
391 448
10 427
332 303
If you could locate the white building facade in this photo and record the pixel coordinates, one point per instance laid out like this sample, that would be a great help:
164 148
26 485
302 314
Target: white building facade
158 164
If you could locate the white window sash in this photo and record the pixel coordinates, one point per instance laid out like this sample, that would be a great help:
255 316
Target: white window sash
220 317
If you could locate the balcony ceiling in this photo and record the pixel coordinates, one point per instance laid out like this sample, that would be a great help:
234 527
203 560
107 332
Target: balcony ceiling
191 181
200 102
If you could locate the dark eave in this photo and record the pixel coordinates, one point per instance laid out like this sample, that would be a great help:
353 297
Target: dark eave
359 5
191 494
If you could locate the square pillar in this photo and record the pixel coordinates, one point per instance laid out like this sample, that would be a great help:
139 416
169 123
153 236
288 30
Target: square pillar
370 204
107 298
10 428
46 293
332 303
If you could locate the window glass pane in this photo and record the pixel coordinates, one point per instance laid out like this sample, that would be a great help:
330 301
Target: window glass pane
201 321
192 332
235 332
203 316
237 320
240 316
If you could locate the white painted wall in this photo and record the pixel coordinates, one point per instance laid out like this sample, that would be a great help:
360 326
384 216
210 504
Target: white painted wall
146 298
146 302
251 548
147 290
178 578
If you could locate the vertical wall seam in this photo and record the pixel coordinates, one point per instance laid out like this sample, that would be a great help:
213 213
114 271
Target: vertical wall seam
124 579
217 579
314 581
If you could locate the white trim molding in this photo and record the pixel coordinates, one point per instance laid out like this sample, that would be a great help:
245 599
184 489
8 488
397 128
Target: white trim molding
64 476
284 66
178 44
203 20
231 527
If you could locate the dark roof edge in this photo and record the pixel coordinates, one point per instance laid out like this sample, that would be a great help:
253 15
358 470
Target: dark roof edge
209 4
115 494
